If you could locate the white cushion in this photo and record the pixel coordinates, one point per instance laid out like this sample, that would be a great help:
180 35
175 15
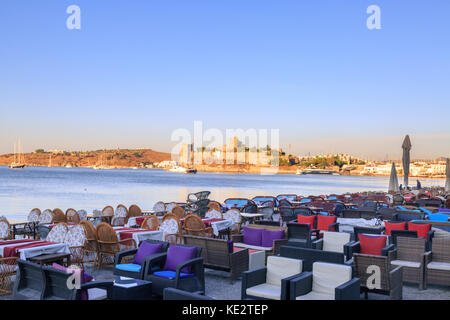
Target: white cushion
97 294
404 263
279 268
247 246
315 296
439 266
335 241
265 290
328 276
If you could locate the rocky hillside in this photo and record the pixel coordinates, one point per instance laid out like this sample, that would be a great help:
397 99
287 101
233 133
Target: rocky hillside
114 158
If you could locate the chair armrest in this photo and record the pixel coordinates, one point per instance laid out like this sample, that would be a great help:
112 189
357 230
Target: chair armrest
154 260
427 257
348 291
396 277
197 265
128 240
350 248
252 278
336 225
317 244
123 254
285 286
300 285
97 284
316 232
277 244
430 235
385 250
392 254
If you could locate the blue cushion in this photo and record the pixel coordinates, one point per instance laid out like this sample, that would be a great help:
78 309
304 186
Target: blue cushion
323 213
133 267
171 274
438 217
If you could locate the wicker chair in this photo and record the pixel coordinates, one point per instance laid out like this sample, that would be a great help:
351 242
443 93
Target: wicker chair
194 226
120 217
91 246
46 217
410 254
390 281
179 212
134 211
214 214
58 233
72 216
235 215
171 227
34 214
109 244
170 206
159 208
58 216
437 271
214 205
7 271
150 223
107 213
76 239
82 214
5 229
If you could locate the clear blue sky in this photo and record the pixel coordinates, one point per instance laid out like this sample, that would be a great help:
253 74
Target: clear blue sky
137 70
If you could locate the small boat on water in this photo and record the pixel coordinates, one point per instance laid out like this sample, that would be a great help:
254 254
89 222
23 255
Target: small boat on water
317 171
18 162
179 169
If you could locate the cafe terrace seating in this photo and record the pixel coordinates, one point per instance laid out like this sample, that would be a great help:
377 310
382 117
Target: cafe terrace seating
327 281
131 263
390 280
34 214
333 241
134 211
171 228
181 267
170 206
271 282
309 256
57 233
411 255
4 230
300 235
159 208
72 216
76 240
371 244
235 216
193 225
219 254
437 270
179 212
109 244
213 214
46 217
150 223
120 216
58 216
91 246
261 237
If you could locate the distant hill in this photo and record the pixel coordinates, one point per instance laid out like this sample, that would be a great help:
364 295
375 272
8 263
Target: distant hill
120 158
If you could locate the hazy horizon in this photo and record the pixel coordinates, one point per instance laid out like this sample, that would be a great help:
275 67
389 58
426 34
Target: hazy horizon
135 72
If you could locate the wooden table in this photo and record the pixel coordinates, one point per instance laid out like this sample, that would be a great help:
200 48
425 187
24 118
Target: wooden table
47 259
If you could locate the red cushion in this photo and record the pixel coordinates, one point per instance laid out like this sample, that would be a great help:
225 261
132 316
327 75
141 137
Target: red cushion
393 226
422 229
324 221
371 244
306 219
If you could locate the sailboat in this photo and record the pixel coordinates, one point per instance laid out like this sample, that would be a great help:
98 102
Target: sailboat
50 161
18 157
102 166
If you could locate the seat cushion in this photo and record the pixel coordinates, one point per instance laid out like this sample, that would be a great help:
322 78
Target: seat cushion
252 236
306 219
393 226
168 274
146 249
404 263
439 266
131 267
324 221
279 268
422 229
372 244
268 236
265 290
177 255
328 276
335 241
315 296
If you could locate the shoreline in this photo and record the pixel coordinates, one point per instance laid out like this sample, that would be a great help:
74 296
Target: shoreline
234 170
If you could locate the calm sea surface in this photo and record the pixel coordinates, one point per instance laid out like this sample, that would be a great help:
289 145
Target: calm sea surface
85 188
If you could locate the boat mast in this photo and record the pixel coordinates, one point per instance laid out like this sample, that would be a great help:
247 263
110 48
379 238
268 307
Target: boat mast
14 152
